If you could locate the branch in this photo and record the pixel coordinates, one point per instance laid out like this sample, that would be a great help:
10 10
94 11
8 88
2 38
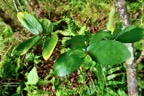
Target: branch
131 70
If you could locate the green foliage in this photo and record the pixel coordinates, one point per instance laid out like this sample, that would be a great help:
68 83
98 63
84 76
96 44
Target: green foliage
101 47
108 79
47 26
68 62
88 62
102 35
49 46
130 34
99 72
108 52
32 76
73 43
6 39
117 29
30 22
23 47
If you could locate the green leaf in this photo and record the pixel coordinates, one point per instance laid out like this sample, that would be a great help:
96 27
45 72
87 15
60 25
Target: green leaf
82 30
110 92
121 92
33 76
113 82
76 42
43 82
130 34
30 22
88 62
117 30
47 26
49 46
108 52
68 62
23 47
112 70
102 35
112 76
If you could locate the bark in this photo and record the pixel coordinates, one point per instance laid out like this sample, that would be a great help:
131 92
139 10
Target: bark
131 70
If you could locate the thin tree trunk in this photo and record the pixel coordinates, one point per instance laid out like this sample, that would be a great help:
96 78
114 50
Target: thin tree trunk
131 70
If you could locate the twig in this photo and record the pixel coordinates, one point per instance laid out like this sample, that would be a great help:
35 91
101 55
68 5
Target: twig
140 57
20 5
15 6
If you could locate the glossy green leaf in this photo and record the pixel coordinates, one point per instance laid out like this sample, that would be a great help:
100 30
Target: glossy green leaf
102 35
49 46
23 47
130 34
33 76
108 52
76 42
47 26
30 22
68 62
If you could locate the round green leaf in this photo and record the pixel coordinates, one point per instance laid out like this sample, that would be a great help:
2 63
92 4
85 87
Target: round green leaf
23 47
130 34
108 52
68 62
49 46
30 22
102 35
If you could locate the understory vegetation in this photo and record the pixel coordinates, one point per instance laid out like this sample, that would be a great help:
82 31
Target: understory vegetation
49 47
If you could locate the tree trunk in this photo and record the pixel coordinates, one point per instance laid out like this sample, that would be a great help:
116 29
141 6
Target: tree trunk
131 70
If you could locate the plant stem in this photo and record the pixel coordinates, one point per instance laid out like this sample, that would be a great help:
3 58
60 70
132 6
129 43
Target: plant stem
131 70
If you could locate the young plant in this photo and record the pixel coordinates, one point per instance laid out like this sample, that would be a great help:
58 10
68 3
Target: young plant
42 30
103 47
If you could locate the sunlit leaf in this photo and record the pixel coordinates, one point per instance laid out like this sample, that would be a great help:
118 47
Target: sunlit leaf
82 30
108 52
33 76
68 62
112 70
112 76
49 46
30 22
23 47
